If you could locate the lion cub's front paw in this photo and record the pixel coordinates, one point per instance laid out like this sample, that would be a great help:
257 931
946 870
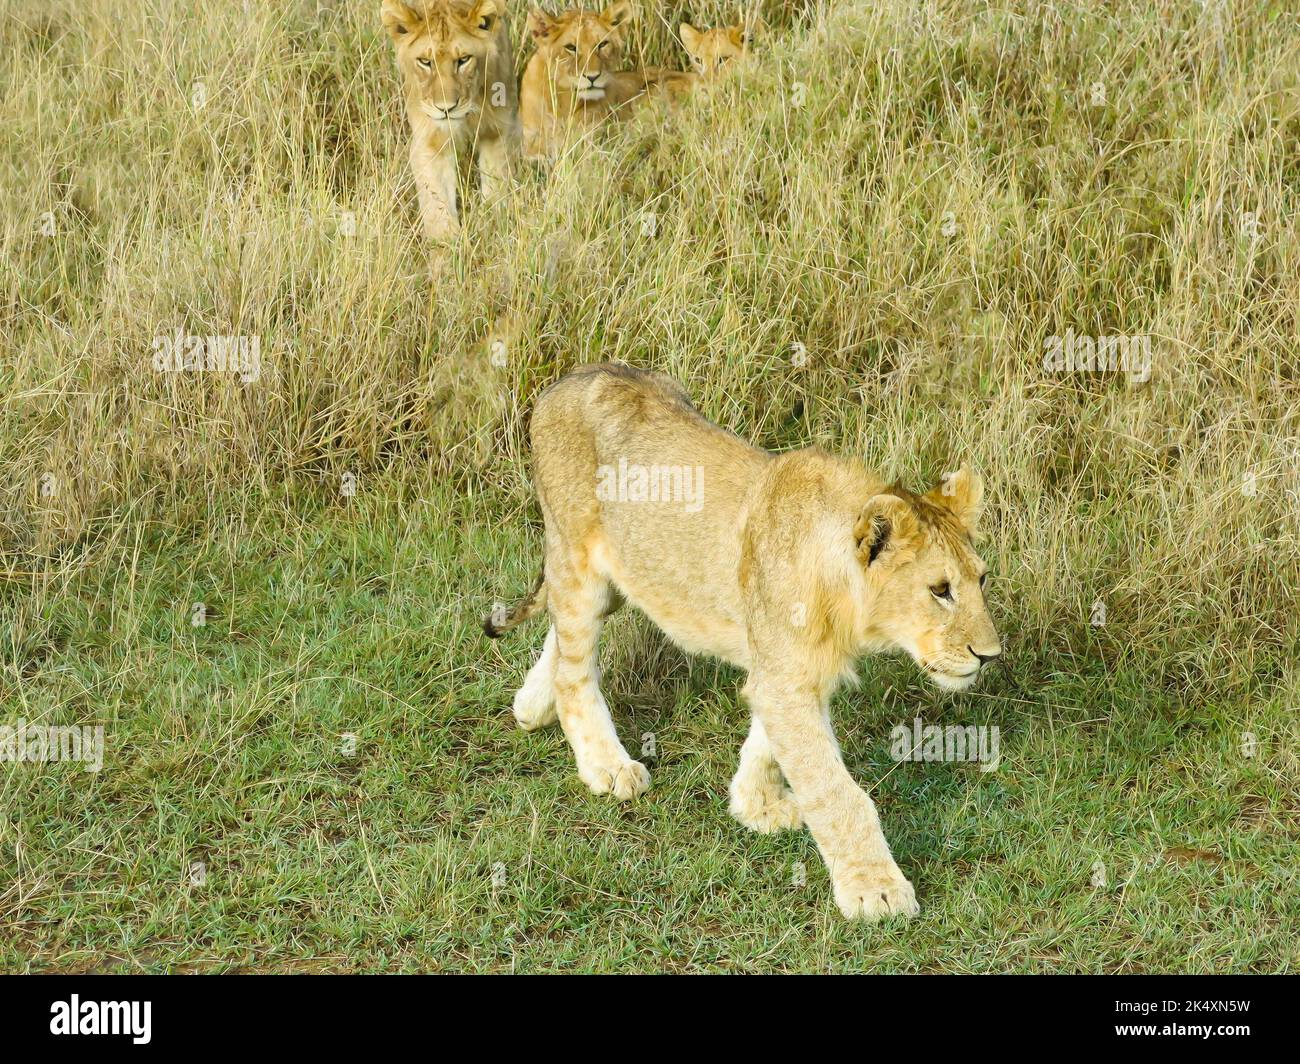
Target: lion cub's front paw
534 707
874 891
766 813
623 781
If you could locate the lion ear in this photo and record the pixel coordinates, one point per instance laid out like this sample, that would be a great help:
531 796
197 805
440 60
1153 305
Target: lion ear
885 532
540 24
961 493
618 13
690 36
398 19
484 17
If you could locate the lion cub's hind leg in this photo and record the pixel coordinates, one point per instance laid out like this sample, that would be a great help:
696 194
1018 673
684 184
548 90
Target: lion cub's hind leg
760 798
579 603
534 705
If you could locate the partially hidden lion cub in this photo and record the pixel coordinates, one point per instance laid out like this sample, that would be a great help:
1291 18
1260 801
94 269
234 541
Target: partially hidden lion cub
455 58
573 80
712 51
788 566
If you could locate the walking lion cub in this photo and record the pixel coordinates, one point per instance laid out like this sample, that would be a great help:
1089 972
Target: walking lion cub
455 60
788 566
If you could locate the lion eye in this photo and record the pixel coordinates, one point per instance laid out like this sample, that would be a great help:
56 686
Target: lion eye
983 578
601 46
424 62
941 591
570 47
462 61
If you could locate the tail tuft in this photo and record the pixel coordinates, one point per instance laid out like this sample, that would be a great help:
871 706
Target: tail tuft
501 619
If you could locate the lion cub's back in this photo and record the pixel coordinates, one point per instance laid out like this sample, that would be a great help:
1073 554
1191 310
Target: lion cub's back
673 550
609 412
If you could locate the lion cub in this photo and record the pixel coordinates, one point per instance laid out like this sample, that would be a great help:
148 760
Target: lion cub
788 566
455 58
572 81
712 51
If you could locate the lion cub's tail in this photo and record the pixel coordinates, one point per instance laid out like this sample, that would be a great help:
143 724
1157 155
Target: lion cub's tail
501 619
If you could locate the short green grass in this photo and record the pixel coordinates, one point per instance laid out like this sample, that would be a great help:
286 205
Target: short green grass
919 195
225 745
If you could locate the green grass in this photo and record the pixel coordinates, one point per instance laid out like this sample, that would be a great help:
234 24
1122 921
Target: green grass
777 223
224 745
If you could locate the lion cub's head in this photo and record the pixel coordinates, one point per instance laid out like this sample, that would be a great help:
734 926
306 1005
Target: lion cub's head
712 51
581 49
444 49
919 558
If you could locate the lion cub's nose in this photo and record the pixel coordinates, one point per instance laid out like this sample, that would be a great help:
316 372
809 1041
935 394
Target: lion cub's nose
985 658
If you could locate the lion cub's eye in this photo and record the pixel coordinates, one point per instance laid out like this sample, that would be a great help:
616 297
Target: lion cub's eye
941 591
426 63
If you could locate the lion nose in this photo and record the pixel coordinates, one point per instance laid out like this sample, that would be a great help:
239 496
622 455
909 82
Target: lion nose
593 78
984 658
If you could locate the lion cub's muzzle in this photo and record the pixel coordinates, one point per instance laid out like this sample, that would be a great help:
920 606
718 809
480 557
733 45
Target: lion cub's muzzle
441 112
590 87
959 676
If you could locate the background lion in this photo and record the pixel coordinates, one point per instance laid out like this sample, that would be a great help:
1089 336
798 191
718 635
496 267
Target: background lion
575 78
455 58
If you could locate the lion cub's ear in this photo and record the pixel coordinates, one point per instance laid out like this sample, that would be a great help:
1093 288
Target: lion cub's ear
885 531
962 493
540 24
484 17
746 33
691 37
618 13
398 19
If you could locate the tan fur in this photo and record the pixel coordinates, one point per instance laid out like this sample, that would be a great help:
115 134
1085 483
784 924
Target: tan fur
788 566
457 73
574 81
713 51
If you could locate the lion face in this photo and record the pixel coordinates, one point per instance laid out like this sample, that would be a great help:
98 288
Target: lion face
581 48
444 53
712 51
927 579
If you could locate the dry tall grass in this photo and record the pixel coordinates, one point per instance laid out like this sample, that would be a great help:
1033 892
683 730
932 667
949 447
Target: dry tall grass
863 240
